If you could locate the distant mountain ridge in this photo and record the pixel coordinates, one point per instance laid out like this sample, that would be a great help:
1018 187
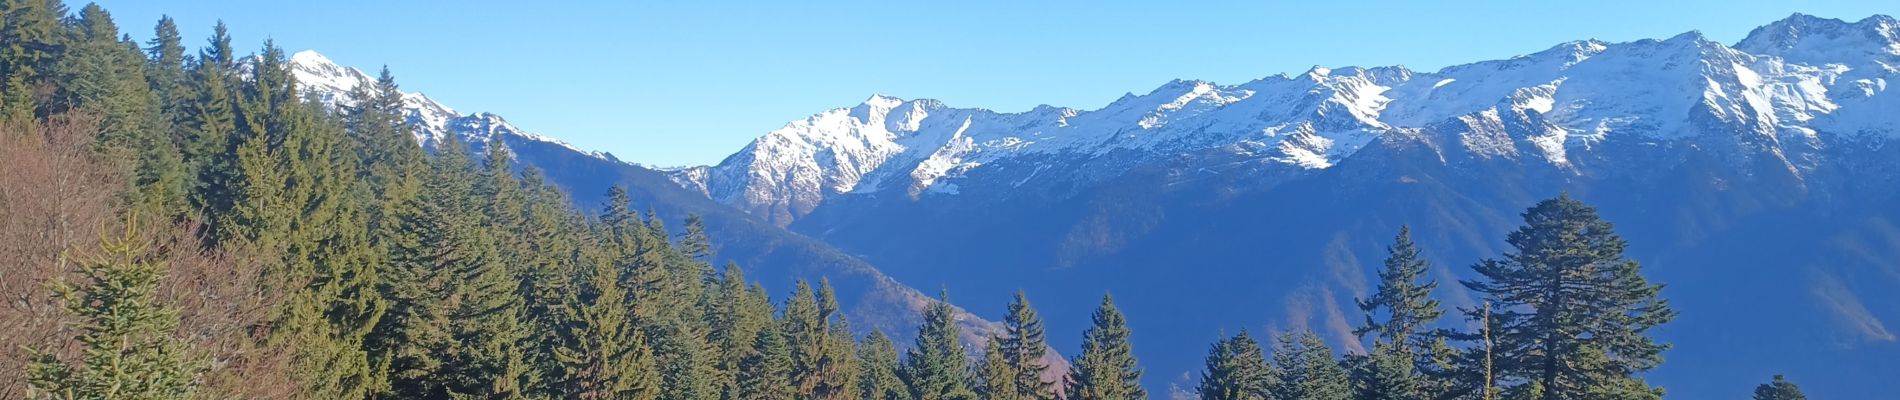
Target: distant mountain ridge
770 254
1759 180
1767 166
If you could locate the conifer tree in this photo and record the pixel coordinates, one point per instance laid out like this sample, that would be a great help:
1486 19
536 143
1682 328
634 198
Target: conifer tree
29 41
999 378
735 324
101 73
602 354
295 176
129 351
1106 369
1571 314
837 366
1237 369
804 336
1779 389
1025 346
166 74
694 241
1385 374
1307 370
878 358
937 367
765 374
211 140
1405 296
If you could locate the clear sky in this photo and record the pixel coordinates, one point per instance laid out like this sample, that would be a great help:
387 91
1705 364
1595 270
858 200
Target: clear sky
689 82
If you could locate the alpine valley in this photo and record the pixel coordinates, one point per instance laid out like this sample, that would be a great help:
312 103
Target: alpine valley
1759 180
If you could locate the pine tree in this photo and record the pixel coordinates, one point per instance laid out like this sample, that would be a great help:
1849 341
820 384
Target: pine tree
1237 369
1571 313
1307 370
129 351
999 378
765 374
878 358
1106 369
1025 348
937 368
1779 389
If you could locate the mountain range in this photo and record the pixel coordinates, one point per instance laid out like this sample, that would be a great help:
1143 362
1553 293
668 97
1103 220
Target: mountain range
1758 180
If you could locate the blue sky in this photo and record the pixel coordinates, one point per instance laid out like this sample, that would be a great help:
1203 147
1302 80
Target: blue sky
689 82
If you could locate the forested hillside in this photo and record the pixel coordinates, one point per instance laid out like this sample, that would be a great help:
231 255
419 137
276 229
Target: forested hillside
176 224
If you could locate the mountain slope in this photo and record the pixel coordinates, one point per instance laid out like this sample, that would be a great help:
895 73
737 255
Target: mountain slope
775 257
1757 179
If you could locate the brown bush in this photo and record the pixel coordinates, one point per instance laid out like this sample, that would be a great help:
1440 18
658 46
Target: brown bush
57 197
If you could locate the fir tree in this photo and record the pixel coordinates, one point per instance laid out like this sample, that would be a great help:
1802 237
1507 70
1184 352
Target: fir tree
1385 374
1571 313
129 351
1025 348
937 367
103 74
211 141
1405 296
1307 370
999 378
295 179
765 374
29 42
1779 389
166 74
1106 369
602 354
1237 369
805 335
878 358
838 370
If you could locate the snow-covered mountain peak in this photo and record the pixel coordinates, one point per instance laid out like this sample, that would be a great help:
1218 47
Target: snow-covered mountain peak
331 83
1783 86
1870 42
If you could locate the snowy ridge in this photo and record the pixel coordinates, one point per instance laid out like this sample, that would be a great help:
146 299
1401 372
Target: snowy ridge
1781 90
330 83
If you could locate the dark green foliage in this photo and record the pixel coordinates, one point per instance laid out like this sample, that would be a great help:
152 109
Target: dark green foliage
126 333
1106 369
1385 374
1779 389
293 207
937 367
877 357
1405 334
1405 296
1237 369
30 41
1025 348
1570 312
1307 370
766 373
998 377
